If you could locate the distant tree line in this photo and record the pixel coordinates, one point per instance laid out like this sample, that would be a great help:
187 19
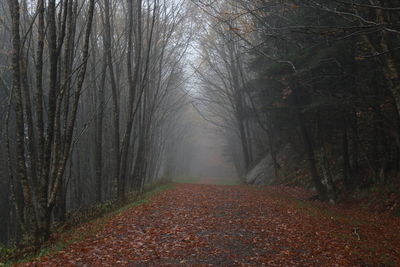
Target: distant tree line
91 94
322 76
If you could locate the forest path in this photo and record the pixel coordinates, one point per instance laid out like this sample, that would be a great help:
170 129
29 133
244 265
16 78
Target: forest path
206 225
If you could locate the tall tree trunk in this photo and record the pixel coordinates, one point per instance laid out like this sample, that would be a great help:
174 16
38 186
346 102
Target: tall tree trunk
99 136
346 158
309 149
19 119
107 39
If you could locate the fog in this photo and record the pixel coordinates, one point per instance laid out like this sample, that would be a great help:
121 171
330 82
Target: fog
200 152
208 159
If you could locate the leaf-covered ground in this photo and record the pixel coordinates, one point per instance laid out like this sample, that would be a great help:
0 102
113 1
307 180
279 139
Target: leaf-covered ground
206 225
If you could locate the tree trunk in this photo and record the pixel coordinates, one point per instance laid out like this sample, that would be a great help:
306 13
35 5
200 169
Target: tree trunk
309 149
107 39
29 216
346 158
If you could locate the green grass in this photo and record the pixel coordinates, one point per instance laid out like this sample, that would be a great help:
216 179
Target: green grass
8 255
5 252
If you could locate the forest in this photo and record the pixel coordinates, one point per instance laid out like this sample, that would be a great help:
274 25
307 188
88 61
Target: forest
102 99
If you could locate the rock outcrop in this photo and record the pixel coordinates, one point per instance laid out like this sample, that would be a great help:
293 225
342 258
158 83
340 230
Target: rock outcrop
262 173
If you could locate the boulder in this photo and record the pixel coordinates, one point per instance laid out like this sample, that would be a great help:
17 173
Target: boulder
262 173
